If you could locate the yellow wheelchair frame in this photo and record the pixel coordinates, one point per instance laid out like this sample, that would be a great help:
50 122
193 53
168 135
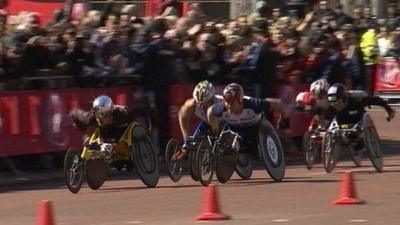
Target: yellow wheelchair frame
134 144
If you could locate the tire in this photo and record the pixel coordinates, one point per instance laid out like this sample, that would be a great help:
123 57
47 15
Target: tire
174 168
73 170
310 149
356 156
206 163
96 173
225 165
270 149
144 157
331 151
193 165
372 143
244 170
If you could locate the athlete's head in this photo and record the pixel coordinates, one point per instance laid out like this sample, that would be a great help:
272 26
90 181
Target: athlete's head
319 88
233 97
102 109
337 96
204 93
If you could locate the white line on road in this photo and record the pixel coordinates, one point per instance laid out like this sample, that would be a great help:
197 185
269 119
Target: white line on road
280 220
358 221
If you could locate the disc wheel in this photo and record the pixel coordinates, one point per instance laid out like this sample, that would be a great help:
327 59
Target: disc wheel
372 143
96 173
244 166
144 157
270 149
174 167
73 170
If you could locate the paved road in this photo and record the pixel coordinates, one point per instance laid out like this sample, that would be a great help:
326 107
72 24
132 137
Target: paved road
304 198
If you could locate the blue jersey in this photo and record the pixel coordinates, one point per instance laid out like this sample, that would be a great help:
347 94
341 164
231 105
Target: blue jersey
253 108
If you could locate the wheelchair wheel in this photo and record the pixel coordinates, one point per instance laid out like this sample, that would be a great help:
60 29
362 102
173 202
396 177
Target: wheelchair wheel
331 151
356 156
310 150
206 163
144 157
243 167
270 149
225 165
73 170
193 165
372 144
174 167
96 173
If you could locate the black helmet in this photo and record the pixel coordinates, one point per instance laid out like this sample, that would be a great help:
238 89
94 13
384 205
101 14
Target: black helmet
337 92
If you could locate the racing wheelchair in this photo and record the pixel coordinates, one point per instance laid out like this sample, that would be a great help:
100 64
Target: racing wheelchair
312 141
100 150
221 154
175 168
348 136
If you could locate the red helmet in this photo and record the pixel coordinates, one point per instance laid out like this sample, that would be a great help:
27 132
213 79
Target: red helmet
233 92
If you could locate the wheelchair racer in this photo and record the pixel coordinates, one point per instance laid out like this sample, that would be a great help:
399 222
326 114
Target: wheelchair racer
204 96
349 110
242 114
110 118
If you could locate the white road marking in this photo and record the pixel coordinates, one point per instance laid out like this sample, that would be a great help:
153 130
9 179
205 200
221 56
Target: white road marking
134 222
358 221
280 220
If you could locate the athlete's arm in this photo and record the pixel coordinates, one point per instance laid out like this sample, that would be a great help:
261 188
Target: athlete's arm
185 113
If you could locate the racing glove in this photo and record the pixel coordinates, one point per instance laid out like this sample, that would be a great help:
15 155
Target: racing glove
181 153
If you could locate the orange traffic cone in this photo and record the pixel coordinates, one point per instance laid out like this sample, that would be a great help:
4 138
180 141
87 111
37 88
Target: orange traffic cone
348 195
45 213
211 209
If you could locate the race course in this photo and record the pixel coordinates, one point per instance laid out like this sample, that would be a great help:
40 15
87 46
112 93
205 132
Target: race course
303 198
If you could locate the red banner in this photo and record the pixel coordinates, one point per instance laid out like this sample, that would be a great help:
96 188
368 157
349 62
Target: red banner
387 77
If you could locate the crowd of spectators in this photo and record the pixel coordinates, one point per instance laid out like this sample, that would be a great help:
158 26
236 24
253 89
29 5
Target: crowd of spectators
265 48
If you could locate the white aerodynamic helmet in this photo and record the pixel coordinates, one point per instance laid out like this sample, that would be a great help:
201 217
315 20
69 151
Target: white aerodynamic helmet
102 105
204 91
319 87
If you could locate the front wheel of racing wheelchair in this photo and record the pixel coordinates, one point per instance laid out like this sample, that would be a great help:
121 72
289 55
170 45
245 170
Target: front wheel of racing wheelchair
144 157
372 143
271 151
74 170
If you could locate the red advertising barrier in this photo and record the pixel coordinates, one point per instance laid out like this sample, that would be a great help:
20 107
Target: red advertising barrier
39 122
387 77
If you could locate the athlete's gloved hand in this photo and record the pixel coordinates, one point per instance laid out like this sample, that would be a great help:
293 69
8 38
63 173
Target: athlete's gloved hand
284 123
390 113
181 153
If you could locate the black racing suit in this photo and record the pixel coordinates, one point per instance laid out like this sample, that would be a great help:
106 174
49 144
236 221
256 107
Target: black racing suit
355 109
121 117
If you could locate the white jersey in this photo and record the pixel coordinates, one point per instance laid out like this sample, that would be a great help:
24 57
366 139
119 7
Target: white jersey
201 114
250 115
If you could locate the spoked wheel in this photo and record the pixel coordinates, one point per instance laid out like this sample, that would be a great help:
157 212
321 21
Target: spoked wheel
96 173
331 147
144 157
372 143
73 170
206 163
310 149
270 149
174 167
243 167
